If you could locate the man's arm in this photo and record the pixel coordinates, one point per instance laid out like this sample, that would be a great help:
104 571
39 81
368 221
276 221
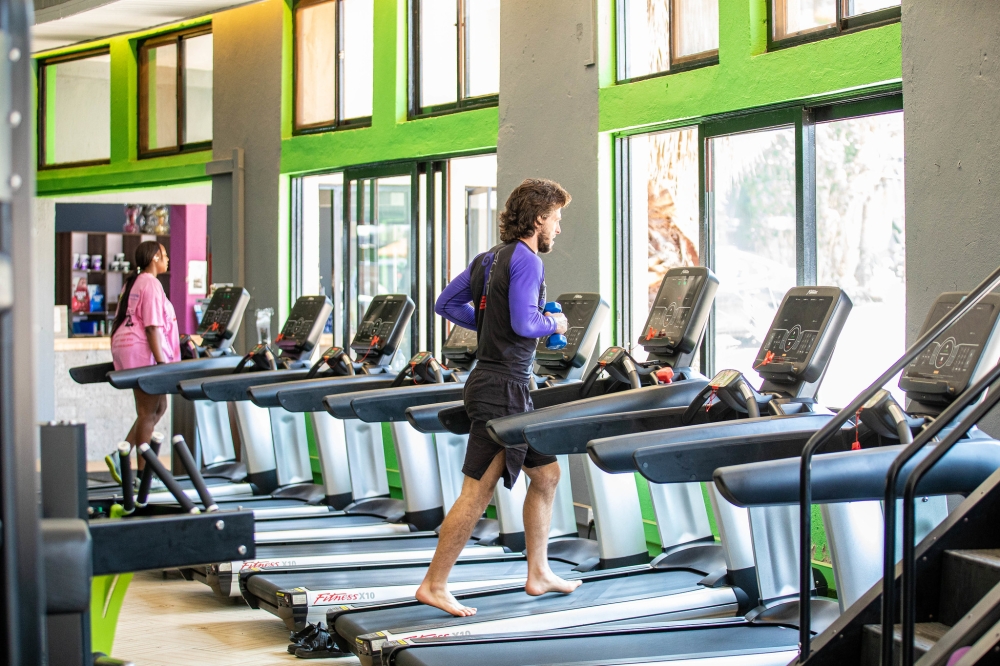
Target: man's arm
525 280
455 302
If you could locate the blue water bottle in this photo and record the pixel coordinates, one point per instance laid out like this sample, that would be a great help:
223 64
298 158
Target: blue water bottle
556 340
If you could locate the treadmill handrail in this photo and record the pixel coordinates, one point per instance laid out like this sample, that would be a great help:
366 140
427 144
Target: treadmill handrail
390 404
425 418
776 482
235 388
165 377
662 455
307 395
510 430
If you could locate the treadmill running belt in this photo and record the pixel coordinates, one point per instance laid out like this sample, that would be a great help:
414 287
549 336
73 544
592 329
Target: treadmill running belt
734 641
343 547
651 583
315 523
267 587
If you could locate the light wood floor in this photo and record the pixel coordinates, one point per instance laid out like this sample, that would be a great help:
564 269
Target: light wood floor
175 621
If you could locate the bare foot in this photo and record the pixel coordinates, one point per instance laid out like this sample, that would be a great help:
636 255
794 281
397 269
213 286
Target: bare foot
442 599
539 584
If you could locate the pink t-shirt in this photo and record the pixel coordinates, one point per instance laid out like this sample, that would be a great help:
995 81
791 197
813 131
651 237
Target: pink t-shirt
147 306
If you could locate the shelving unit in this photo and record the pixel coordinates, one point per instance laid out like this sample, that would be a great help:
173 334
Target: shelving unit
107 245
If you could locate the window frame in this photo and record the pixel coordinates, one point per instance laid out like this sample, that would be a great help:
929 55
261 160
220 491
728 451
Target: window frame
678 64
142 52
842 25
42 103
338 123
462 102
804 118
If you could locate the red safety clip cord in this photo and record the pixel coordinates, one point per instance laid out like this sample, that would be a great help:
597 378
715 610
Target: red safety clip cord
711 397
665 375
651 333
856 446
768 357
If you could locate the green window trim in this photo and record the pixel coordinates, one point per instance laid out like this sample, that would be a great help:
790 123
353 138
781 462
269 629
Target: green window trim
843 24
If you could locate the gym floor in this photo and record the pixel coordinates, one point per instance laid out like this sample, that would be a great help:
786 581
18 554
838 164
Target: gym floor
168 620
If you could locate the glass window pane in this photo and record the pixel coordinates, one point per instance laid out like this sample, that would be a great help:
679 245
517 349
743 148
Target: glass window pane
855 7
482 50
78 110
860 232
664 213
161 96
198 89
472 194
647 37
793 17
754 229
696 27
438 52
315 64
358 45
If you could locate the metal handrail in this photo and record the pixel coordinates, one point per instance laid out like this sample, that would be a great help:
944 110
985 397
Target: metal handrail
909 519
833 426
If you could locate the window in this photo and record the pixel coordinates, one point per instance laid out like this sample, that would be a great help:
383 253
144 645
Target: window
175 92
456 48
658 36
74 108
333 64
793 196
797 21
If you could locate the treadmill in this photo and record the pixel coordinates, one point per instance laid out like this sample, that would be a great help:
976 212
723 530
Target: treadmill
299 597
847 484
214 445
686 581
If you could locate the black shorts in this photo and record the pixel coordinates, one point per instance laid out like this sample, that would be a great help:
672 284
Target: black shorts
490 395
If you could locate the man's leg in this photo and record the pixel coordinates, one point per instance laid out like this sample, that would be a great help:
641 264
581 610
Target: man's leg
537 519
455 532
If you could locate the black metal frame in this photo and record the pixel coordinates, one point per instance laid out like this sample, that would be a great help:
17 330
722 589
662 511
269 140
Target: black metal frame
462 103
803 118
843 24
677 63
832 427
43 102
181 145
339 122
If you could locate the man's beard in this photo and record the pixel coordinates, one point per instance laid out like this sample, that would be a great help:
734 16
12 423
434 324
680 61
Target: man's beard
545 243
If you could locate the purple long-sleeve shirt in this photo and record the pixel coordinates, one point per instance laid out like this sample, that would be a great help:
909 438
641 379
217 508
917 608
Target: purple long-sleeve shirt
518 287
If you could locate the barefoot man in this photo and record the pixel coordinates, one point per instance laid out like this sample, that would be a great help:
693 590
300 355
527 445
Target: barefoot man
501 296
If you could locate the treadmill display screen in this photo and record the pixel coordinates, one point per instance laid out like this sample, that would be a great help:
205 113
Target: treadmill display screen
579 313
300 327
461 338
953 356
670 318
219 314
794 331
379 322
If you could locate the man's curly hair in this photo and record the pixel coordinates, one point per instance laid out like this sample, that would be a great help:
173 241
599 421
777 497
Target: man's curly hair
533 198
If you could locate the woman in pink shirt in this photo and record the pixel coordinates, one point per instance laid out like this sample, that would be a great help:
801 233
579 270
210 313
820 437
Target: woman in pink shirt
144 333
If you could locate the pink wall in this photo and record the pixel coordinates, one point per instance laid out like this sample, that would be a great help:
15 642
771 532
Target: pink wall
188 242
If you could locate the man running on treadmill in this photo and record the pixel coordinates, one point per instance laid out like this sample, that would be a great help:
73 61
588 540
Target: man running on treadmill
501 296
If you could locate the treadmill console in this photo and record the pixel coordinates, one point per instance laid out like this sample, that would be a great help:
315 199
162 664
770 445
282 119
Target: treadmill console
382 328
303 327
585 314
677 319
800 341
222 317
460 348
958 356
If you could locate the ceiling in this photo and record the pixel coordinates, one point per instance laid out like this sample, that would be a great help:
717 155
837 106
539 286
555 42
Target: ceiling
60 23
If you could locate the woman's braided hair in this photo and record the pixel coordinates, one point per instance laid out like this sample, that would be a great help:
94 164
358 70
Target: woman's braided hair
533 198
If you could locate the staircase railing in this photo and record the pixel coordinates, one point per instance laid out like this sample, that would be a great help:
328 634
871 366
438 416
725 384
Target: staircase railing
833 426
909 582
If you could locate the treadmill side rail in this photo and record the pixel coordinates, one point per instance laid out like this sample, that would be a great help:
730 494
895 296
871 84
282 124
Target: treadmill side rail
307 395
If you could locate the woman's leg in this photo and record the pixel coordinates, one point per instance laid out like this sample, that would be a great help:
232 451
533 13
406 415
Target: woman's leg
148 409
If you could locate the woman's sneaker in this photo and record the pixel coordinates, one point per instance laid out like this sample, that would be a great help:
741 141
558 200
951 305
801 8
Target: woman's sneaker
111 460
